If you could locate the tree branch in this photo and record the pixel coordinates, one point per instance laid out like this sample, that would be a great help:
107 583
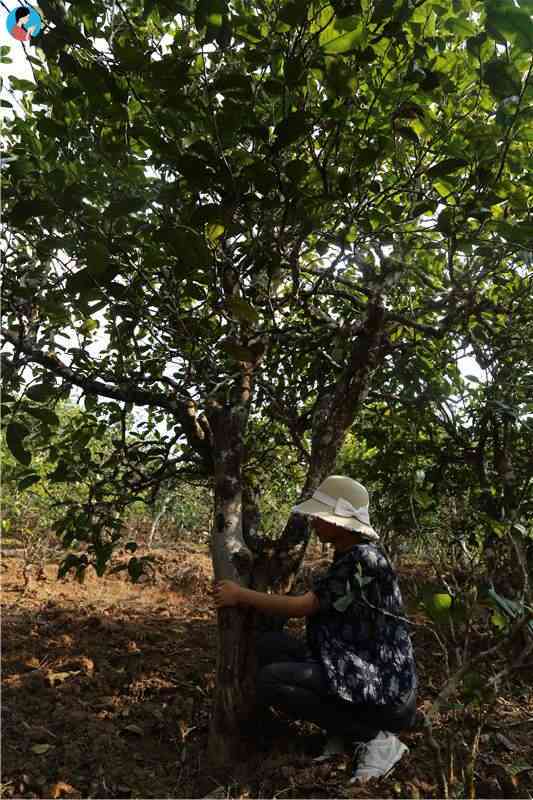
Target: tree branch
184 411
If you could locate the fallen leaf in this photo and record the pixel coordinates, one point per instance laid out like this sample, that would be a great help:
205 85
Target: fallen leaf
134 729
59 677
79 664
32 663
37 733
41 749
62 788
515 769
505 741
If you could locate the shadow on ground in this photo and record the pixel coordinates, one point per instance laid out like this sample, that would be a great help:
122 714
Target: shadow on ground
107 691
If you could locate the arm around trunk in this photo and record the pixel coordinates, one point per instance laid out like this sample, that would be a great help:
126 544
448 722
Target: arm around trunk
302 606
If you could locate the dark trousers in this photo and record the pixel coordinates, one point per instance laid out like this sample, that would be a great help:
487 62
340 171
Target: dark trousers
292 681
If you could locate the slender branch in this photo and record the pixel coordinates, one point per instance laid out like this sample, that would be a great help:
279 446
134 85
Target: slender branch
185 411
507 140
451 685
429 330
129 395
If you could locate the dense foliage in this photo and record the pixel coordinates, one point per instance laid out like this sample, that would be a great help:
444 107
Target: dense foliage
244 193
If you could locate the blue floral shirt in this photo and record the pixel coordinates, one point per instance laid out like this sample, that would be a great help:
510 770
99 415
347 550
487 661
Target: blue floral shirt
358 634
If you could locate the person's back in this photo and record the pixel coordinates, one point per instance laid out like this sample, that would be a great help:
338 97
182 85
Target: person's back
360 633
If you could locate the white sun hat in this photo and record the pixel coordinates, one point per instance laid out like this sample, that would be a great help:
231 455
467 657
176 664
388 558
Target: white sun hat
341 501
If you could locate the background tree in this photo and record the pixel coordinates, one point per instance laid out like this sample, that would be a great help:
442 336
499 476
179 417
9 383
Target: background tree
271 208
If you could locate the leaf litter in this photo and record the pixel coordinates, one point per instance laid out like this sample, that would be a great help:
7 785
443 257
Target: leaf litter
108 686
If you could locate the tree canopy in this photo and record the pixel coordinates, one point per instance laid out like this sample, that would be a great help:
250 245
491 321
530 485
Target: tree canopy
277 205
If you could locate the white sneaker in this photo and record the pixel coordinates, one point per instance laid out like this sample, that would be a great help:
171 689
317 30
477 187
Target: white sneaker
376 758
335 744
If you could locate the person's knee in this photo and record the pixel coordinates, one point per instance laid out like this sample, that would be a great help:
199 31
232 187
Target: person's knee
266 645
403 718
267 676
267 684
267 640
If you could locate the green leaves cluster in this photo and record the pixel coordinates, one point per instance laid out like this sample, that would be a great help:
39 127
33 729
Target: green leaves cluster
393 137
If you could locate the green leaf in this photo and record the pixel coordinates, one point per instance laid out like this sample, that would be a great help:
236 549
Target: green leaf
437 605
473 686
263 178
296 170
337 35
40 392
28 481
29 209
344 602
521 233
124 206
445 221
15 434
81 281
408 133
423 499
383 9
427 207
445 167
291 128
293 14
233 83
498 620
43 414
343 43
242 310
61 473
209 12
97 257
502 78
21 85
512 23
88 326
189 246
214 231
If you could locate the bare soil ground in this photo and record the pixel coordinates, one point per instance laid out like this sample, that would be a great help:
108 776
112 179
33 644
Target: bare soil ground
107 691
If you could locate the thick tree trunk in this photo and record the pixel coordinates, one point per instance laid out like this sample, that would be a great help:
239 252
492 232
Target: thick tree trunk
234 698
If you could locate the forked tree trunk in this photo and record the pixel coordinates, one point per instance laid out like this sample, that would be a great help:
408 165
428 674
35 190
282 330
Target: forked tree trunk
333 416
238 554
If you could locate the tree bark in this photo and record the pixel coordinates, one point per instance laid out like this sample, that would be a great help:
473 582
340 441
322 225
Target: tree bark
236 667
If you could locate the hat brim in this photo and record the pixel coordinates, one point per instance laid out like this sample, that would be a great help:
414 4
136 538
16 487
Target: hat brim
314 508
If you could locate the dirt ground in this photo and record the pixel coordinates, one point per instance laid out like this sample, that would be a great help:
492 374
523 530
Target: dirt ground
107 691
